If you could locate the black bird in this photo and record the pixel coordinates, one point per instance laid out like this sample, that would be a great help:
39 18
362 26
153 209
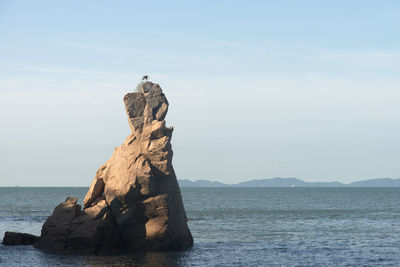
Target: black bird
145 77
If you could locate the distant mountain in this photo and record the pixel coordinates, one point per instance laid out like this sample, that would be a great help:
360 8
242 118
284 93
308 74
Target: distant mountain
292 182
379 182
286 182
200 183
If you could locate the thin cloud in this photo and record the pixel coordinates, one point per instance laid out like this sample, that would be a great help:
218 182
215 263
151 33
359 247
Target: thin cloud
372 59
243 46
62 70
82 45
134 52
148 55
227 44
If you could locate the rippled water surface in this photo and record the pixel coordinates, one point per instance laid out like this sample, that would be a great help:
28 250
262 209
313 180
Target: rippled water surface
239 227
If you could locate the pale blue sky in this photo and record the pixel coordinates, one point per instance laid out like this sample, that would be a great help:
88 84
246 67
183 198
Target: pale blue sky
257 89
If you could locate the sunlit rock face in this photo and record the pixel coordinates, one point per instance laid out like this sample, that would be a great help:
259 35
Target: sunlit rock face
134 202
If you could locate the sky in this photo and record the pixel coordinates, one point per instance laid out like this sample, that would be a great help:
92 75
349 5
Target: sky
257 89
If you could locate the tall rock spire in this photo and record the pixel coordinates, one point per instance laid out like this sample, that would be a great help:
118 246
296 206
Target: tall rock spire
134 202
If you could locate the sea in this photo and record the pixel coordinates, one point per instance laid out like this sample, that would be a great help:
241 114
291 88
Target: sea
238 227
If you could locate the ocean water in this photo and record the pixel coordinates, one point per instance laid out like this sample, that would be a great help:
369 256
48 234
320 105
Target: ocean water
238 227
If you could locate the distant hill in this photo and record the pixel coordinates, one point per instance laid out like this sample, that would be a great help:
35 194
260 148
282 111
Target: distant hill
286 182
200 183
292 182
379 182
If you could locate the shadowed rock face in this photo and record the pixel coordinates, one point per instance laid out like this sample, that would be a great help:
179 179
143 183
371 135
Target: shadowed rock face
134 202
19 239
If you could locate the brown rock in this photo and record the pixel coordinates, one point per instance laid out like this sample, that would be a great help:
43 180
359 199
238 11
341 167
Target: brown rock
17 239
134 202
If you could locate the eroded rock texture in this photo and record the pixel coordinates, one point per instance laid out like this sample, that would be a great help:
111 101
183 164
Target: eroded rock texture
134 202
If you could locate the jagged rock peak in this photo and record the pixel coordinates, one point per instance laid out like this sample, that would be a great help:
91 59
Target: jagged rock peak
146 106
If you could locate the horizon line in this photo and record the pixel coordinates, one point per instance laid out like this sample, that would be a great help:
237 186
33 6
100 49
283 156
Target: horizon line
214 181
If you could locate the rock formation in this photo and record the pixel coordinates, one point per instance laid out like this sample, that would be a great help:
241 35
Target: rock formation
18 239
134 202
